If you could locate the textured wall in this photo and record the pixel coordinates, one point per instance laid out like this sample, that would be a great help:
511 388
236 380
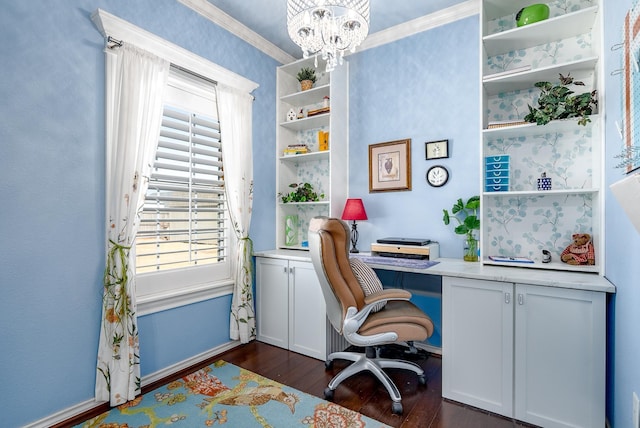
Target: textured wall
52 192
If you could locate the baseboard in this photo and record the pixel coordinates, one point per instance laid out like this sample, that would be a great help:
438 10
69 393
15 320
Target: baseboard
88 405
190 362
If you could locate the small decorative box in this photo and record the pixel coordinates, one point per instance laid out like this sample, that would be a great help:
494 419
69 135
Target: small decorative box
496 173
544 182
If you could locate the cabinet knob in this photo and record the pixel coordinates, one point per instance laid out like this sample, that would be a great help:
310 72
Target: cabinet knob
521 299
507 298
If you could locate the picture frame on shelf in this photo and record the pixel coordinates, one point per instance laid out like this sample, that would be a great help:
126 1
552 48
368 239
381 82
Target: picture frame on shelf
436 149
390 166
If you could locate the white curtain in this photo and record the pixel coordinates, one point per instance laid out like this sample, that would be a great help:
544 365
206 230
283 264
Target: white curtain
135 85
235 115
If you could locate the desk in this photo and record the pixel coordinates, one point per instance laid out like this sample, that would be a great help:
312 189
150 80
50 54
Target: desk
525 343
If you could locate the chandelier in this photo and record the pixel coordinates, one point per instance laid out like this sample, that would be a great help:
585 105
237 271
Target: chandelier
328 27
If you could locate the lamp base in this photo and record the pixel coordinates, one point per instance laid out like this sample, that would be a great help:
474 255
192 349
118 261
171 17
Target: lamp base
354 238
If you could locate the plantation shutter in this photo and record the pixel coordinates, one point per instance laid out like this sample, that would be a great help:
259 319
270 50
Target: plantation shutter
183 220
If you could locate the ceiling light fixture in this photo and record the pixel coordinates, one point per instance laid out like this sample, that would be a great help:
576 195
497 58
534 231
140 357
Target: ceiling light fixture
328 27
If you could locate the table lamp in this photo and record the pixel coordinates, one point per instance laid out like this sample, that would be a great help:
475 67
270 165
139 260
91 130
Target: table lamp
354 210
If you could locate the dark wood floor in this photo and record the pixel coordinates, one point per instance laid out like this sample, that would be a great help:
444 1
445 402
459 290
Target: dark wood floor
423 406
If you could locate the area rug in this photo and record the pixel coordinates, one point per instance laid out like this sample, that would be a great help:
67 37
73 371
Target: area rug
225 394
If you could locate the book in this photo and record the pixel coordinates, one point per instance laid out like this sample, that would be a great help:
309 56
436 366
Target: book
318 111
510 259
323 140
506 123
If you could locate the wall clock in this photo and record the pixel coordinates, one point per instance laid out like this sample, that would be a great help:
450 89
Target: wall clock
437 176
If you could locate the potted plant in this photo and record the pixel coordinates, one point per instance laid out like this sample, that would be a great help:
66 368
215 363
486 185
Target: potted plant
307 77
303 192
467 217
559 102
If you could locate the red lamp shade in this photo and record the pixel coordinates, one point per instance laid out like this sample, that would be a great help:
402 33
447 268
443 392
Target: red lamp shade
354 210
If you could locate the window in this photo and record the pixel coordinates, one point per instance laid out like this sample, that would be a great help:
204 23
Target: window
170 288
184 234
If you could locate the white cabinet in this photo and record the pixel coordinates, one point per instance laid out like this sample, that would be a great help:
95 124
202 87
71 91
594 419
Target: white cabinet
560 357
477 343
290 308
517 219
326 170
533 353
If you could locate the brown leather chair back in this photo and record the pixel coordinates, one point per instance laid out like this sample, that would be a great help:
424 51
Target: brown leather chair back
329 248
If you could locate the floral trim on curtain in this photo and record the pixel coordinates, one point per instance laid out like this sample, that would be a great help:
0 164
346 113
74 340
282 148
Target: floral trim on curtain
136 81
235 115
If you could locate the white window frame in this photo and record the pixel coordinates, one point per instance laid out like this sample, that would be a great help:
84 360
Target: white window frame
119 29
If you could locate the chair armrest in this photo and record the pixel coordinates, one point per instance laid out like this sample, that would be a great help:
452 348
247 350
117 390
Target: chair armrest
387 294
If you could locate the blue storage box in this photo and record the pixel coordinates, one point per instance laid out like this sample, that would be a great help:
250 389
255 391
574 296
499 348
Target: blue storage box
496 159
497 180
496 187
497 173
494 166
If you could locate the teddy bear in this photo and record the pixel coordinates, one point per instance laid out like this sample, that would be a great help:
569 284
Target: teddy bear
580 251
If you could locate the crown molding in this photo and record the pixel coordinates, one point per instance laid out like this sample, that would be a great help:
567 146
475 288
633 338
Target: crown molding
230 24
119 29
424 23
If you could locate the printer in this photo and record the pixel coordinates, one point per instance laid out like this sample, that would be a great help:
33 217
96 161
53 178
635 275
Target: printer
408 248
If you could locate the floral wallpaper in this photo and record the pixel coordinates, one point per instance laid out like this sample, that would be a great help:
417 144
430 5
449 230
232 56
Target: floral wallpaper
525 221
315 172
556 8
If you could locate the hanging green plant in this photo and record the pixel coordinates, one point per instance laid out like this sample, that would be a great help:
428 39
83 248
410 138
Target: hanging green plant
303 192
559 102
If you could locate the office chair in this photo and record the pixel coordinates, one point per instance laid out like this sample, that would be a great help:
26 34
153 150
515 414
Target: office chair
350 311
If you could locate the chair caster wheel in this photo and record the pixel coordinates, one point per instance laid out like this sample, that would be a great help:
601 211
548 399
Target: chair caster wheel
422 380
328 394
396 408
328 364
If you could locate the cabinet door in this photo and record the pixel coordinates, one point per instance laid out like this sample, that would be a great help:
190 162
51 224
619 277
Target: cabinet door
308 319
477 343
272 301
560 357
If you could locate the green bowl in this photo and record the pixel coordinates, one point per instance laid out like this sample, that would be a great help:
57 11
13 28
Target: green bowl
531 14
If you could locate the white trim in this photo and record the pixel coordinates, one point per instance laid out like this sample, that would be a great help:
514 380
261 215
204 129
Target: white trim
63 415
240 30
189 362
164 300
400 31
85 406
119 29
424 23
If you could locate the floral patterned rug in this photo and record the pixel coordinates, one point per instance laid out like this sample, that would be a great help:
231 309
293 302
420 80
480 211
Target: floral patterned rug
228 395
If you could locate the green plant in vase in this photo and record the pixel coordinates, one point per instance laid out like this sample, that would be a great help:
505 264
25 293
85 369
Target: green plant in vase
307 77
466 214
302 192
559 102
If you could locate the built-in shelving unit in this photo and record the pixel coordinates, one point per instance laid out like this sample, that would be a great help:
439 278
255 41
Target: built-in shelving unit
327 169
520 220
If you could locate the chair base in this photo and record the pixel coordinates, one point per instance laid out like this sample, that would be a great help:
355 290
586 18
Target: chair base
362 362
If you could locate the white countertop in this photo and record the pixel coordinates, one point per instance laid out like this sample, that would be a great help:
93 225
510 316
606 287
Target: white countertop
476 270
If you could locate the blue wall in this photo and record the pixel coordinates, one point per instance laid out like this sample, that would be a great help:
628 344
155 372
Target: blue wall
52 193
622 246
424 87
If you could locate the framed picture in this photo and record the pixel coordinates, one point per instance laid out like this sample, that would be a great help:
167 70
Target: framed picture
436 149
390 166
